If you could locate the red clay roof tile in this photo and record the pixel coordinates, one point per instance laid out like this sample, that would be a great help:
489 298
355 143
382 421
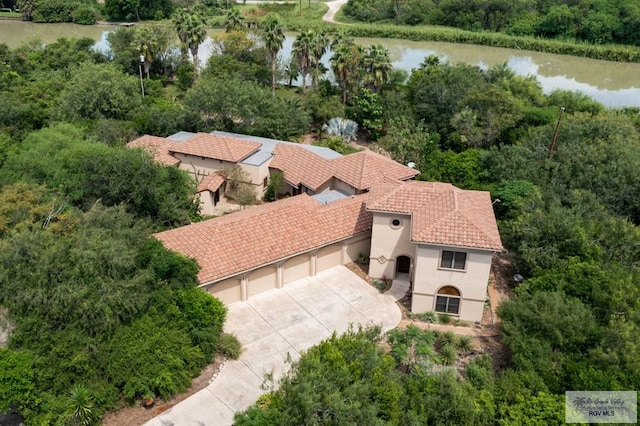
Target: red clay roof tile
217 147
241 241
157 147
441 213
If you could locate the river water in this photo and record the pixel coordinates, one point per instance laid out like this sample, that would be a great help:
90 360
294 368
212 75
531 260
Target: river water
614 84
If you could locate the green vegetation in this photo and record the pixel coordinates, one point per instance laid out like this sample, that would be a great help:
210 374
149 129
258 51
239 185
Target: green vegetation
593 21
104 315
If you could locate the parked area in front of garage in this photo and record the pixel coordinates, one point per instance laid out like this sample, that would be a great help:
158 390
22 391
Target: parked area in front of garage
276 323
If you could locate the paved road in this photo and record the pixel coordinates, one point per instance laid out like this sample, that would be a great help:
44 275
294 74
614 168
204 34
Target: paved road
334 6
274 324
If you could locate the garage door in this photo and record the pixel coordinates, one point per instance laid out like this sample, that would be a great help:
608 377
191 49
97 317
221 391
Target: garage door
262 280
328 257
358 247
228 291
297 268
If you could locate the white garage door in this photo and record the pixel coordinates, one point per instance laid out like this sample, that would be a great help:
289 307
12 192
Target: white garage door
328 257
261 280
228 291
297 268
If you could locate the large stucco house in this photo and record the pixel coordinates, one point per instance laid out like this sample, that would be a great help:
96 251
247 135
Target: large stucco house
438 237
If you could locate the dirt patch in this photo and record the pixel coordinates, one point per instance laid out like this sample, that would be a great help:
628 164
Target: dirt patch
137 415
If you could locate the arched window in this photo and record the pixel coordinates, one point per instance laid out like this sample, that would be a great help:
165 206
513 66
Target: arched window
448 300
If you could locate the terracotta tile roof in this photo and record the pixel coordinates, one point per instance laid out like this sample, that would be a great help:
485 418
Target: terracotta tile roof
157 147
441 213
366 168
301 166
218 147
361 170
211 182
241 241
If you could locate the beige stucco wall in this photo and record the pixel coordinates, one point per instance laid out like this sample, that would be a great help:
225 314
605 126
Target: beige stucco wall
472 282
339 185
199 167
206 203
256 175
356 246
390 242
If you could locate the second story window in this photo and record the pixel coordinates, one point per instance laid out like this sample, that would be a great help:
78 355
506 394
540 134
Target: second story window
453 260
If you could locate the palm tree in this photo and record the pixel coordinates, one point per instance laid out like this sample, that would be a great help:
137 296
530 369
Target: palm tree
191 32
377 65
345 64
273 35
302 48
233 20
151 43
321 42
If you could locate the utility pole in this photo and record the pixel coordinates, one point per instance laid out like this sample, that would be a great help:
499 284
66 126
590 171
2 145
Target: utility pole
555 133
140 68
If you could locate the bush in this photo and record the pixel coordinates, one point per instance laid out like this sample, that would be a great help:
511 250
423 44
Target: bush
229 346
444 319
84 15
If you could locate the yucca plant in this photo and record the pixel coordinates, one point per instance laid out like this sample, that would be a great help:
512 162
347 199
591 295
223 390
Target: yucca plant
464 344
80 406
341 127
446 339
448 355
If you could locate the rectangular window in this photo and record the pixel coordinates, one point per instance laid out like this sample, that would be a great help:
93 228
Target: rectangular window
265 183
448 305
453 260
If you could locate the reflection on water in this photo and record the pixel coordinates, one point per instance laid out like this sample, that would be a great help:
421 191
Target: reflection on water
611 83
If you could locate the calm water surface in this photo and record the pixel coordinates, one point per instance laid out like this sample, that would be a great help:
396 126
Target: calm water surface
612 83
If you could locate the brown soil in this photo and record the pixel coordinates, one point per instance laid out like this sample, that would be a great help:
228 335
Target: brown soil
137 415
362 270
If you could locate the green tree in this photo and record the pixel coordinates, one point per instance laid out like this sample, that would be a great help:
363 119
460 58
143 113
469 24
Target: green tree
151 44
190 27
345 63
303 47
99 91
244 107
377 66
273 36
233 20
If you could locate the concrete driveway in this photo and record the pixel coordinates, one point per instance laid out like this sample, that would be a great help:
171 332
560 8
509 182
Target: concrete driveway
274 324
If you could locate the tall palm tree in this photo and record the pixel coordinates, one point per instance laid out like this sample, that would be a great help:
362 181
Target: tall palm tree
152 43
345 64
377 65
302 48
273 36
321 42
191 32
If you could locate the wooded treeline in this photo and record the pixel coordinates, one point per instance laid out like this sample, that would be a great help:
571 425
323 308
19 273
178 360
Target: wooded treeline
600 21
104 314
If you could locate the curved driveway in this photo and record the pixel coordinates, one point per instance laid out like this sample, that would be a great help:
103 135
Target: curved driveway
275 324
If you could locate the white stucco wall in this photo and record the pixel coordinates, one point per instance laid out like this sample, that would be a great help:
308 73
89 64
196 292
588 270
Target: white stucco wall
390 242
471 283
